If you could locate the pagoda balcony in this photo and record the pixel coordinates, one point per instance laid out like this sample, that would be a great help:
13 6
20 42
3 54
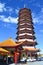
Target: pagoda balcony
24 23
24 10
24 20
25 26
27 43
25 17
23 38
26 36
26 31
25 14
21 22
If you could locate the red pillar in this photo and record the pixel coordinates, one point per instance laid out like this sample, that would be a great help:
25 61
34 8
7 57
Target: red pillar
16 57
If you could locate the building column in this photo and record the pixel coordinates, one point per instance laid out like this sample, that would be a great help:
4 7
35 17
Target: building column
35 55
31 55
26 54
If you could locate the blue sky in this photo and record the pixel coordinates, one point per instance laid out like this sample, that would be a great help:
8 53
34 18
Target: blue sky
9 14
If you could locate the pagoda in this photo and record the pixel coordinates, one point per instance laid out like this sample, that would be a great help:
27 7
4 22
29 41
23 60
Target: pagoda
25 33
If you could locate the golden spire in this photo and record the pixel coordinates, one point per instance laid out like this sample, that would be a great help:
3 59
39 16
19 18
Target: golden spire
10 38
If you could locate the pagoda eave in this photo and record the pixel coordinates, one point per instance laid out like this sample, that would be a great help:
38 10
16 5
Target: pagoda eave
27 26
27 43
24 10
25 36
31 49
25 31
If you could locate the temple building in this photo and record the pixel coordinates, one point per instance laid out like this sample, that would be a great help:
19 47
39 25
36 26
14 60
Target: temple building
26 40
25 33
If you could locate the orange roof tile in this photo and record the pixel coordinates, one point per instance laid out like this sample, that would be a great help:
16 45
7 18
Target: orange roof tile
8 43
3 50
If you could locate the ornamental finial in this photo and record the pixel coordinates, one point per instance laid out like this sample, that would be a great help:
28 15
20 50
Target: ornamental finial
24 5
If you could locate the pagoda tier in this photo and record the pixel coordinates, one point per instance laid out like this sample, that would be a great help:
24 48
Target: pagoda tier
26 36
27 43
25 15
24 10
25 26
26 31
31 49
25 21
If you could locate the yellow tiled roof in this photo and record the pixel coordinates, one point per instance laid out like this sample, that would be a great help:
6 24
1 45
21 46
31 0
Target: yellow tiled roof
9 43
3 50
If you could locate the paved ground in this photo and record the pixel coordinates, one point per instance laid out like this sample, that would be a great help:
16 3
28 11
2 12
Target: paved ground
31 63
28 63
3 63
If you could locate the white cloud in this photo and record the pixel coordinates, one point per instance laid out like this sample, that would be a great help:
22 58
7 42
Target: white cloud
35 19
42 10
17 10
8 19
41 31
9 9
2 17
38 18
2 6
